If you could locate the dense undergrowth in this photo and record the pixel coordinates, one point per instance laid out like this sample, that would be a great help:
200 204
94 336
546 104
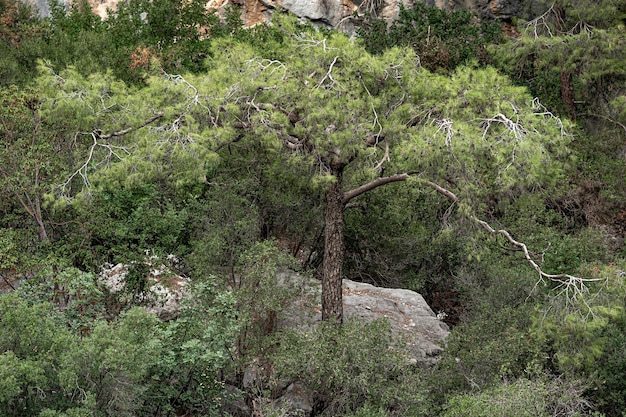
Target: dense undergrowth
137 136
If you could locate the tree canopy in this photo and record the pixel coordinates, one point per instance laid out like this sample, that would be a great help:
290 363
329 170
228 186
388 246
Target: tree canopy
215 152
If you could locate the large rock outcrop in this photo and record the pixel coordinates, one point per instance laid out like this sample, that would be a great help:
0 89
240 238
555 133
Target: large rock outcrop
165 289
343 15
408 313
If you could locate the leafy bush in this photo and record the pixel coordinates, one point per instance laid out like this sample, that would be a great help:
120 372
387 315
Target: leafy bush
442 40
608 390
260 296
196 348
31 342
522 398
350 367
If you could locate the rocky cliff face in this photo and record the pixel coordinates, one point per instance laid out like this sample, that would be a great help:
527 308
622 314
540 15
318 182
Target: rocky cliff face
340 14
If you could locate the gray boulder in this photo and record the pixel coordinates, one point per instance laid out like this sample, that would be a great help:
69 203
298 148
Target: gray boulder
408 313
165 289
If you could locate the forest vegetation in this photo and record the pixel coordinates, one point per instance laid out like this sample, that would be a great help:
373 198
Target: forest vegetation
483 170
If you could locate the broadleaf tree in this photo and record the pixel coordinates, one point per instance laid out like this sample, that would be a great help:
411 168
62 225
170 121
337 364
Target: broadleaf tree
353 122
27 167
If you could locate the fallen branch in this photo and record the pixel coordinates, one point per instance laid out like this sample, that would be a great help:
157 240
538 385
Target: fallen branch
328 74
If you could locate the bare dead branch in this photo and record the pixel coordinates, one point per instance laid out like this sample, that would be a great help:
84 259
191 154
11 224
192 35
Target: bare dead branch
384 159
329 73
130 129
569 285
445 125
99 141
268 64
540 23
293 143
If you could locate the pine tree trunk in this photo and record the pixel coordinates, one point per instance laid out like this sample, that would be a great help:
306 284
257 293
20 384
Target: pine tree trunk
332 301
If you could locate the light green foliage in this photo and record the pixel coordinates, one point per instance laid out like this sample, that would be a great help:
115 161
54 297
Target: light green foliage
350 367
108 367
111 121
474 130
510 141
196 348
261 297
47 366
571 56
577 330
575 38
523 398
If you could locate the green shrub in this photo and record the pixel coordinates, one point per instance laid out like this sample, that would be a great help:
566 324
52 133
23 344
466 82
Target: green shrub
442 40
350 367
522 398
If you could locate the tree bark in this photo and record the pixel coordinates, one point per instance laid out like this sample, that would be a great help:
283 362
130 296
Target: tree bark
332 300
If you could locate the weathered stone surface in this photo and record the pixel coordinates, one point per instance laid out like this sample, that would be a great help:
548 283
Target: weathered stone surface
407 312
296 401
343 15
165 289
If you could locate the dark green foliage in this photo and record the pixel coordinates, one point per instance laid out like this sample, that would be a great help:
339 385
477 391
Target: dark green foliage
131 366
68 37
20 32
495 345
122 224
32 343
196 348
608 391
350 368
442 40
261 297
163 30
399 236
127 42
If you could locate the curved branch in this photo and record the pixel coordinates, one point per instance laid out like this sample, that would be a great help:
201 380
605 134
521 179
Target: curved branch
349 195
100 141
130 129
570 283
